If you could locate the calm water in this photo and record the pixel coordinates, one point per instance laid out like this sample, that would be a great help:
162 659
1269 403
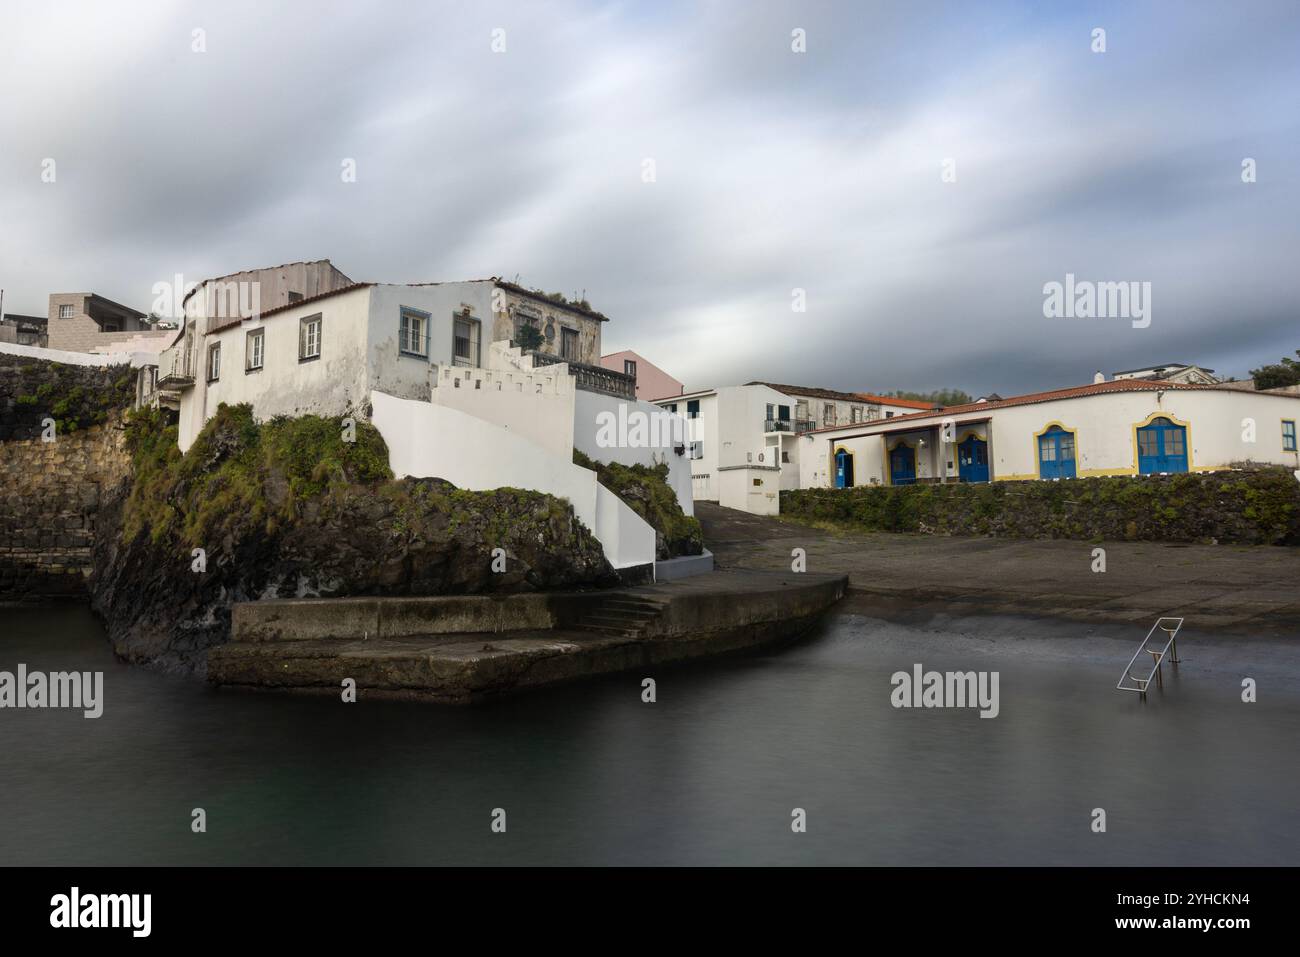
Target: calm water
709 774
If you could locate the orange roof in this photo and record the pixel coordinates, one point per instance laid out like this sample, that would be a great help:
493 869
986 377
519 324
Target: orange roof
1074 392
890 400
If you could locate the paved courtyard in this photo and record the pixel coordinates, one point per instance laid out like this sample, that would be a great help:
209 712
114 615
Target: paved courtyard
1247 590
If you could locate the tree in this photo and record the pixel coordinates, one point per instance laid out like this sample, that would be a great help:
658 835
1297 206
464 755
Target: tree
937 397
529 337
1286 372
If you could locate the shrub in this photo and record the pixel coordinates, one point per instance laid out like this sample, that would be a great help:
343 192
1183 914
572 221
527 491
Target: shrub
1260 506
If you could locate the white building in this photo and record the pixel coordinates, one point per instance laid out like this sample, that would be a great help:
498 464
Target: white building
1170 372
816 408
1122 427
741 443
742 440
420 363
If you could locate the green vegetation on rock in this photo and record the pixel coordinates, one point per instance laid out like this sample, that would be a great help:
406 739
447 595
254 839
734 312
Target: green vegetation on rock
1258 506
288 508
75 397
646 491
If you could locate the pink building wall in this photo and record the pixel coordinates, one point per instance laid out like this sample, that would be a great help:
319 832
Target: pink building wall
652 382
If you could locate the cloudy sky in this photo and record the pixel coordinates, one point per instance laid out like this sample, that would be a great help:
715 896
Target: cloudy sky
773 170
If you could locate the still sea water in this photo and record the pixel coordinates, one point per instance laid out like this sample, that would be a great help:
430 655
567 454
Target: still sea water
588 774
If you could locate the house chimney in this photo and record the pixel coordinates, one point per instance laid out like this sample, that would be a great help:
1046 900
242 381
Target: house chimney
1099 377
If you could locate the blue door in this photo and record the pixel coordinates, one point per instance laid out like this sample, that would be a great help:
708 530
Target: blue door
843 469
1056 454
973 460
1162 447
902 465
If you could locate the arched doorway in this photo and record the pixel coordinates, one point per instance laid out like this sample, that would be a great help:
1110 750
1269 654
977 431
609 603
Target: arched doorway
1162 447
1056 454
843 468
973 459
902 465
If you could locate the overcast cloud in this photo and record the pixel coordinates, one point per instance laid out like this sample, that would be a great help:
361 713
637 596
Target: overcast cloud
775 170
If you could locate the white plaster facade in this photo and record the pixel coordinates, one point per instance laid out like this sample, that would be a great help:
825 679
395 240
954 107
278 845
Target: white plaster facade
1222 428
736 426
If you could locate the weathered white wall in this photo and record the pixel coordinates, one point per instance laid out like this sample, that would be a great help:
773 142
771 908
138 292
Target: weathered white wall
590 406
333 384
407 376
753 490
535 404
1104 443
1103 426
427 440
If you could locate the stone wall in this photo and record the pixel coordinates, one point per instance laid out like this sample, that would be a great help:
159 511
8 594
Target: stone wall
1259 506
75 396
49 501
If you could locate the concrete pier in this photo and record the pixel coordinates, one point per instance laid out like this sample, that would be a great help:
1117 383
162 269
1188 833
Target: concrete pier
463 648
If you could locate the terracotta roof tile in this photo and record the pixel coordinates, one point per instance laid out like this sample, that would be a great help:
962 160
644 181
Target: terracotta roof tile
1074 392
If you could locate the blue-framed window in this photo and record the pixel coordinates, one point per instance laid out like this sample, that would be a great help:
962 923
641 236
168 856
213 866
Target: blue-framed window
1288 435
413 333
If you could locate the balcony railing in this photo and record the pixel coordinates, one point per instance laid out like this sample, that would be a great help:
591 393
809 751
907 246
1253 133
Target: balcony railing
804 425
592 378
778 425
175 367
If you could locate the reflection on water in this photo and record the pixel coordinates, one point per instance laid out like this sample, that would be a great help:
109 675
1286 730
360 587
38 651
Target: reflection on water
708 775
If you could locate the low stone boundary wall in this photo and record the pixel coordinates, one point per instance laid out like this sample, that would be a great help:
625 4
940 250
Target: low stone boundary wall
1249 506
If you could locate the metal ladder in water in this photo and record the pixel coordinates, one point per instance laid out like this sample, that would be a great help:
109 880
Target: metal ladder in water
1169 627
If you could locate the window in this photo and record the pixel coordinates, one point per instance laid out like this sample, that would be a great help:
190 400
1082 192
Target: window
828 414
697 450
785 456
295 296
1288 435
413 333
889 415
214 362
693 409
253 349
309 335
465 341
671 407
855 414
569 344
65 312
629 368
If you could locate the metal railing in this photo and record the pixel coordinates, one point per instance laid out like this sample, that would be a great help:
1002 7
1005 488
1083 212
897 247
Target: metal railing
592 378
1170 627
778 425
176 366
